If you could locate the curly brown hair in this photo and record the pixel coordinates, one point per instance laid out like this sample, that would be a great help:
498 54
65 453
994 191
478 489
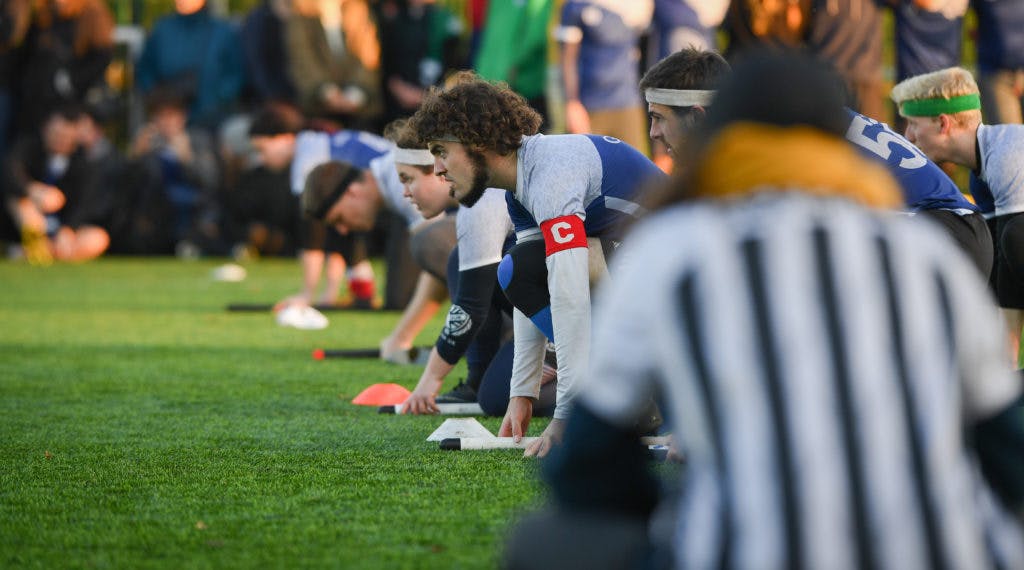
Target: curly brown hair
477 113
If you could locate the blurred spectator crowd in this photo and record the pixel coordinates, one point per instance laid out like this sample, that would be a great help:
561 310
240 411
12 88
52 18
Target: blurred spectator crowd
147 150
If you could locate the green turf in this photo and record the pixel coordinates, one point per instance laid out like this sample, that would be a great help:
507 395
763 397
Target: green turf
142 426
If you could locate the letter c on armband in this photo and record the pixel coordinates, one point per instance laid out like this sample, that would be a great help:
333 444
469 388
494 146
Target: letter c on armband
562 233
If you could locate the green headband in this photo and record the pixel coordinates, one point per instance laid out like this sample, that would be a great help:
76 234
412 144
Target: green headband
940 106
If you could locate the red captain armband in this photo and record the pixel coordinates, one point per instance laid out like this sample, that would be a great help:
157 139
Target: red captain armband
562 233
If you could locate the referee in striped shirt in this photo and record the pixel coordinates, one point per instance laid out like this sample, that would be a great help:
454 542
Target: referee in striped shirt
835 372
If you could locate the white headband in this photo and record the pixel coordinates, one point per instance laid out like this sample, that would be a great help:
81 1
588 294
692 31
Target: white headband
414 156
679 97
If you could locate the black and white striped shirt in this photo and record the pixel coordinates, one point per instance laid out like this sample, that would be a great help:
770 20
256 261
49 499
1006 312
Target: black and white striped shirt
820 361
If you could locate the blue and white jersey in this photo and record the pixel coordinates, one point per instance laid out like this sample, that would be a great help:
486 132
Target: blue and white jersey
594 177
678 24
362 150
925 186
572 187
1001 169
484 233
609 61
982 196
928 40
483 230
999 38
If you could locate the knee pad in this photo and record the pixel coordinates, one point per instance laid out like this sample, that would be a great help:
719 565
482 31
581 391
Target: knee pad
523 276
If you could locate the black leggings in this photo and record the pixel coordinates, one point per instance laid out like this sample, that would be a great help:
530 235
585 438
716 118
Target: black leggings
1009 265
493 393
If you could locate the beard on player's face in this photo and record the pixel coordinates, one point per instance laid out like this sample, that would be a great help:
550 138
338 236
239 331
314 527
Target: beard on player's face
480 180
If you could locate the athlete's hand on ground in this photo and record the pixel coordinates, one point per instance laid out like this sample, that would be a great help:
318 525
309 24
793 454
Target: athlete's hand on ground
517 418
421 401
551 436
392 351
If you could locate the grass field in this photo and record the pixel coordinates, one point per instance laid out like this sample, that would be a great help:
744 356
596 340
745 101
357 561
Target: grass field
142 426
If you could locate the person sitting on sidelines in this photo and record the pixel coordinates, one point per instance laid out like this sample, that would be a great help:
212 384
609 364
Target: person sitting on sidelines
836 371
943 113
51 205
475 324
569 197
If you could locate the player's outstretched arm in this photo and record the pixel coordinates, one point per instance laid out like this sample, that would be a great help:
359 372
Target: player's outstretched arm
421 401
426 300
312 265
569 287
527 367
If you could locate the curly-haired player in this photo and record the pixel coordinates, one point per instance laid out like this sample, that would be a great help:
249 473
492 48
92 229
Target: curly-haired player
560 190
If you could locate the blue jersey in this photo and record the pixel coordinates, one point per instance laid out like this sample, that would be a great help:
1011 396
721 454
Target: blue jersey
1000 40
608 66
362 150
982 196
925 41
354 147
925 186
676 25
595 177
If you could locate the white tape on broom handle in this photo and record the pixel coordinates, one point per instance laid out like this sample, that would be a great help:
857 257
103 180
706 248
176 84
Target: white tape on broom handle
494 442
656 440
451 409
466 443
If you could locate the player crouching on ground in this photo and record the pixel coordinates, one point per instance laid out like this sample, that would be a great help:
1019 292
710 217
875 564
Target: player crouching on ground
350 199
474 327
561 190
943 112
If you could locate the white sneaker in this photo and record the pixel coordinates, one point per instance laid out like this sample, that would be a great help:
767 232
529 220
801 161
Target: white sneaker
230 272
301 317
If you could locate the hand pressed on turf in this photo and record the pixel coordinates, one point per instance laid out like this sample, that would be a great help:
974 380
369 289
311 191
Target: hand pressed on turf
517 418
517 422
394 351
421 401
551 436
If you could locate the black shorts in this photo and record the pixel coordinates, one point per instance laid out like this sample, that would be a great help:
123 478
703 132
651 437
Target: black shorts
971 233
1009 266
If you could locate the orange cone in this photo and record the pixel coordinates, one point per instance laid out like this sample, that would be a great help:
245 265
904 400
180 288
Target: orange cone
382 395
